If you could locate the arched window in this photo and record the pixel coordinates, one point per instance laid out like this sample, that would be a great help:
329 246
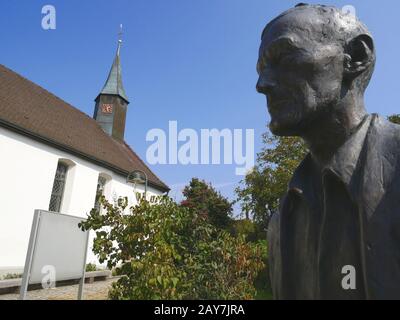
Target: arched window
100 191
58 187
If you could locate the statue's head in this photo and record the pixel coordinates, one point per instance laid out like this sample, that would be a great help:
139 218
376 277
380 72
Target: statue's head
311 58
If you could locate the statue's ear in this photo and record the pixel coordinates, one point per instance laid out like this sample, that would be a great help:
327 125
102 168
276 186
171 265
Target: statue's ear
359 55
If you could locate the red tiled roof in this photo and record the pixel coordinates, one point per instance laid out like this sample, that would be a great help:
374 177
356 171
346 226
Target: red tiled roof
30 109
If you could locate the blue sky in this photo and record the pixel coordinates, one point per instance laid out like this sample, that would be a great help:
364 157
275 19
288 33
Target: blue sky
192 61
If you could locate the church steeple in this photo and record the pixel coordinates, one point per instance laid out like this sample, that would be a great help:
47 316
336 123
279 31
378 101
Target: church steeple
114 84
112 102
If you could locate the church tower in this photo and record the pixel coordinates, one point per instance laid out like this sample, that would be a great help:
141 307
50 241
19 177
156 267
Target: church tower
112 102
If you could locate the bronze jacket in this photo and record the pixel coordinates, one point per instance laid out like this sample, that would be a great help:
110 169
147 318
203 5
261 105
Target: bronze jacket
369 168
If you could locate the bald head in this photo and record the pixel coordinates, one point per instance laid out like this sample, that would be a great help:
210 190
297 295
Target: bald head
311 56
326 23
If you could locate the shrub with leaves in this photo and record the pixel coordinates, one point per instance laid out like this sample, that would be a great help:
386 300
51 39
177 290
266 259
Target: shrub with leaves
90 267
10 276
205 200
167 251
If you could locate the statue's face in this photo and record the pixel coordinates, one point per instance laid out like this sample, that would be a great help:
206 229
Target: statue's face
300 73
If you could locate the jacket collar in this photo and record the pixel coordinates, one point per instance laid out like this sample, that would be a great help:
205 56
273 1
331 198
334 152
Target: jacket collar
343 164
345 159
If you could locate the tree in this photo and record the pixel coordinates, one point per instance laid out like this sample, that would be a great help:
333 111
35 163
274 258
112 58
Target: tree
206 201
261 189
167 251
395 118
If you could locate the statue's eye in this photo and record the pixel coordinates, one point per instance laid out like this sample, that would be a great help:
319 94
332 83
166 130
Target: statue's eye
278 56
286 59
283 53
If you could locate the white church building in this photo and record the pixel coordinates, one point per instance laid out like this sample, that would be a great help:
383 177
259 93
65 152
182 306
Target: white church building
57 158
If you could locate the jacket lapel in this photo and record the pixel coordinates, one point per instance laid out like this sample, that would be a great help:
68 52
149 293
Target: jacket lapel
375 172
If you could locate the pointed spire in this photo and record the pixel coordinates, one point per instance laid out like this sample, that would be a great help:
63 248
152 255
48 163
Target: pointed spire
114 84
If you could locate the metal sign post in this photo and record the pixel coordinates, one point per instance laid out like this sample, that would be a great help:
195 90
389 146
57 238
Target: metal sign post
29 256
82 282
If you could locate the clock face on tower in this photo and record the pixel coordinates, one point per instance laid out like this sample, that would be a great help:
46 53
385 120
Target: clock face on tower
107 108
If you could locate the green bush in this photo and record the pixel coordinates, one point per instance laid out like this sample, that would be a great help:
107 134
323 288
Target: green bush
114 272
167 251
10 276
262 281
202 198
91 267
244 227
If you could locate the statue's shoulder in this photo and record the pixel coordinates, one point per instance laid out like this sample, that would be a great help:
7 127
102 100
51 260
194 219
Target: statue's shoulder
385 135
382 153
274 221
273 234
381 125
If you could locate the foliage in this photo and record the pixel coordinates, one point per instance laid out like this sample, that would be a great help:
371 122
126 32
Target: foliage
205 200
243 227
395 118
91 267
114 272
249 230
10 276
246 228
262 282
168 251
260 191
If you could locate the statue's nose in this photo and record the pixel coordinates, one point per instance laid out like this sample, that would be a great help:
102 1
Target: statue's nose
265 85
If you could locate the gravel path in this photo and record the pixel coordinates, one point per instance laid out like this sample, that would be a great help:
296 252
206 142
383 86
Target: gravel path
92 291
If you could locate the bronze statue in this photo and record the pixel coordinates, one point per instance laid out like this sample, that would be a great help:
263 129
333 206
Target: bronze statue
342 208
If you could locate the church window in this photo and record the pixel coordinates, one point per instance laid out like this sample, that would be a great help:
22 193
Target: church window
58 187
101 183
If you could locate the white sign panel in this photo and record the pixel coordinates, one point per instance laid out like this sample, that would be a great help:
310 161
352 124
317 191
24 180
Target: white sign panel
60 243
57 248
